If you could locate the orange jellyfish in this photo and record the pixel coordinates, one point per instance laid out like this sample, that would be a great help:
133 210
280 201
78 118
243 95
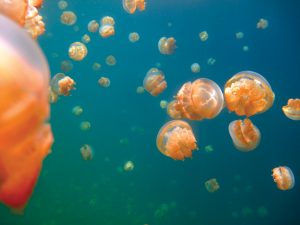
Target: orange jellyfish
104 82
176 140
212 185
133 37
25 137
172 111
283 177
110 60
244 134
248 93
292 109
107 28
166 46
93 26
87 152
154 82
77 51
68 18
62 84
131 5
202 99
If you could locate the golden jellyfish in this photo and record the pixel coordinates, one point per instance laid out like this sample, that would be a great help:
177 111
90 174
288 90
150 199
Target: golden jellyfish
66 66
62 84
283 177
107 28
201 99
110 60
292 109
203 36
85 126
128 166
172 110
104 82
134 37
167 46
96 66
262 24
86 39
140 90
25 136
68 18
212 185
62 4
176 140
154 82
244 134
93 26
87 152
248 93
195 68
130 6
77 110
77 51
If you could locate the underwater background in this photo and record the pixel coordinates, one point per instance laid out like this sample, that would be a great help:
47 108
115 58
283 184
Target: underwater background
124 124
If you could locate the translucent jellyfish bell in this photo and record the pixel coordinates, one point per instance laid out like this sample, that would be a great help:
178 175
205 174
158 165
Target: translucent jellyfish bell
154 82
25 138
283 177
292 109
130 6
166 46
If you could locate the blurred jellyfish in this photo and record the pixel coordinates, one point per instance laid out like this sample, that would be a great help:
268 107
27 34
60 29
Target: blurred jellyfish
110 60
93 26
166 46
66 66
76 28
244 134
283 177
239 35
163 104
131 5
209 148
68 18
77 51
62 4
211 61
262 211
96 66
104 82
107 28
77 110
176 140
292 109
262 24
134 37
203 35
248 93
128 166
212 185
124 141
245 48
154 82
85 125
25 135
62 84
201 99
195 68
87 152
140 90
172 111
86 39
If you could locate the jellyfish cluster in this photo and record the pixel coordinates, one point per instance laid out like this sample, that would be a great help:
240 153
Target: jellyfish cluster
107 27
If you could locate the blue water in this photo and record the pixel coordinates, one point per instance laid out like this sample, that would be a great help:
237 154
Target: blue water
161 191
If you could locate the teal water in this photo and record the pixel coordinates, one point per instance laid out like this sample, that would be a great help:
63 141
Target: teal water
161 191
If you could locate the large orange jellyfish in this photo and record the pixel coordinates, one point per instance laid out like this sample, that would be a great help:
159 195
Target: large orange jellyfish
292 109
248 93
154 82
283 177
244 134
201 99
176 140
25 137
131 5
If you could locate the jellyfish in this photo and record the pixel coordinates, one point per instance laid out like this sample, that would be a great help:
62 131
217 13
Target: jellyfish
172 110
134 37
248 93
68 18
86 39
163 104
209 148
283 177
212 185
128 166
66 66
85 126
245 48
167 46
203 36
195 68
244 134
77 51
262 24
140 90
87 152
77 110
104 82
62 84
130 6
292 109
176 140
110 60
93 26
154 82
25 136
96 66
62 4
239 35
211 61
201 99
107 28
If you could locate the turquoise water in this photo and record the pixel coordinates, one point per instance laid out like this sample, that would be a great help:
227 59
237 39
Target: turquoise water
161 191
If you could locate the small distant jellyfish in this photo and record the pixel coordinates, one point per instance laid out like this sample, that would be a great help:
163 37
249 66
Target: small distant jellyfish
104 82
173 111
87 152
283 177
93 26
212 185
86 39
62 84
77 110
239 35
85 126
96 66
110 60
209 148
244 134
167 46
66 66
128 166
262 24
140 90
131 6
76 28
203 36
107 28
176 140
245 48
62 4
77 51
134 37
68 18
211 61
154 82
292 109
195 68
163 104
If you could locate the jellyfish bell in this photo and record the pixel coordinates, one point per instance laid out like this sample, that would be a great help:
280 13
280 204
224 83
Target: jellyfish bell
25 138
93 26
292 109
176 140
62 84
248 93
167 46
77 51
154 82
212 185
130 6
104 82
283 177
87 152
68 18
172 110
244 134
